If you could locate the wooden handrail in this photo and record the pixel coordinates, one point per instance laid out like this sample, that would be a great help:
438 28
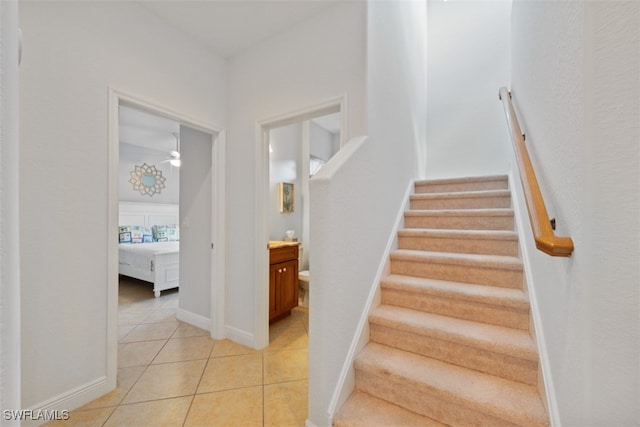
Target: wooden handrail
545 238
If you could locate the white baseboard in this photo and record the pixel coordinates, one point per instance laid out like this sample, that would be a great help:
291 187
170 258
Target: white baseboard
522 219
193 319
68 401
240 336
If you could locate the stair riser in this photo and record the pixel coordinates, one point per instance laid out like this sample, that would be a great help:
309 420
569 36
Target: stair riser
424 401
459 245
461 309
457 222
496 202
459 273
468 356
435 187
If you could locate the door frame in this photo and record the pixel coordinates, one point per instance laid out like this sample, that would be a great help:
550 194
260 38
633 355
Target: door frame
261 252
218 217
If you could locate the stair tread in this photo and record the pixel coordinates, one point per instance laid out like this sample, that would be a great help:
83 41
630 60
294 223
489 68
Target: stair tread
513 298
452 233
363 409
487 261
497 339
462 180
508 400
461 212
461 194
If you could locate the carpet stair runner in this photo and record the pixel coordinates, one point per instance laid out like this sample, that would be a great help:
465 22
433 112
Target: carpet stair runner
450 344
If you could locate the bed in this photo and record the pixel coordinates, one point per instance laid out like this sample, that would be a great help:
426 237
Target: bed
140 254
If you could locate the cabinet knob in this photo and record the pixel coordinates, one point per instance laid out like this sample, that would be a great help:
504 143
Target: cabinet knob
284 269
280 270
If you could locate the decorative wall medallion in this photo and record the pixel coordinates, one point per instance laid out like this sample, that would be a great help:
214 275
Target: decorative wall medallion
147 180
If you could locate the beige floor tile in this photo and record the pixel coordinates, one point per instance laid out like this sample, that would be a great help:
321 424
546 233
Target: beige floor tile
123 330
166 381
158 413
132 317
150 303
292 337
171 301
231 372
285 404
222 348
138 353
240 407
90 418
182 349
286 365
151 331
187 330
127 377
161 315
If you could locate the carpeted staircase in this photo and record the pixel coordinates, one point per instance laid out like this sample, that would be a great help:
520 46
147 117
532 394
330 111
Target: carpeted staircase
450 343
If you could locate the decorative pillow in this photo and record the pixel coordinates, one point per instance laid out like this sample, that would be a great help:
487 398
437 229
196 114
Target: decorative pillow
135 234
166 233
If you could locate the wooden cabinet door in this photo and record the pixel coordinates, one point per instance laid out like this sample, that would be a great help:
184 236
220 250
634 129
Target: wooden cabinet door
274 277
288 289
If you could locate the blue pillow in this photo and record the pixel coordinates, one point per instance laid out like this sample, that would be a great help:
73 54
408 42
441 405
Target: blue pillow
166 233
135 234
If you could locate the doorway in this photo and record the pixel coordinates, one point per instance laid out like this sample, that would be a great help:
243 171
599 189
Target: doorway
335 106
205 179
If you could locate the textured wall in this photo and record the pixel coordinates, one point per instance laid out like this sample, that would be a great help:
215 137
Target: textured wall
469 57
319 59
9 215
576 72
73 52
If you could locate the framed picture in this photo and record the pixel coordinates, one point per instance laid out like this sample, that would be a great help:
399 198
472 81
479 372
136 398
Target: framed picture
285 191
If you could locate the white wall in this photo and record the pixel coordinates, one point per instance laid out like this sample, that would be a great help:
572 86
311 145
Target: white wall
135 155
576 88
356 197
469 60
73 51
319 59
9 214
195 224
321 142
285 166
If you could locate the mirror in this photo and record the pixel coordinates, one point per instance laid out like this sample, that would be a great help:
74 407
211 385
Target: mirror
148 180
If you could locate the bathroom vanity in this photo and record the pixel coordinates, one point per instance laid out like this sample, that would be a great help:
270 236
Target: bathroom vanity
283 278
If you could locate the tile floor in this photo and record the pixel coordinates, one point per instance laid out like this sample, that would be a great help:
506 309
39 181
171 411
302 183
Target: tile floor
173 374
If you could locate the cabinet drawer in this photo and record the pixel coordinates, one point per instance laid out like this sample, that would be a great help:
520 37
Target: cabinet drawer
284 253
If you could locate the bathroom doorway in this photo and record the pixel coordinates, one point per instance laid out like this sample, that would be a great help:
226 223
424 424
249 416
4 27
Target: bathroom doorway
296 152
285 148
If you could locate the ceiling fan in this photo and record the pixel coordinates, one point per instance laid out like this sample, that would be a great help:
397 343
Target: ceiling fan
175 160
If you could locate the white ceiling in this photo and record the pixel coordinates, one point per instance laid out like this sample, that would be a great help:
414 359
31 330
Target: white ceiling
147 130
229 27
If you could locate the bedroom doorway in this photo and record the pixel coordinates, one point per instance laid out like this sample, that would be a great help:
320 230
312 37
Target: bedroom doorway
184 171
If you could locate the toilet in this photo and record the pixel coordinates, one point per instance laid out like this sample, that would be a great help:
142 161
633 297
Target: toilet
303 284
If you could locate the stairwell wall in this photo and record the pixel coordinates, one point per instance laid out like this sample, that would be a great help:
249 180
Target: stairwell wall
354 206
576 90
469 57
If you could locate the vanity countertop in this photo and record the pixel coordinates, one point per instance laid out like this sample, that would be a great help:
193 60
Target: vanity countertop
273 244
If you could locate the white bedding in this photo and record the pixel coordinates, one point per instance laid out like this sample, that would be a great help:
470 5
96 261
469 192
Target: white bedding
140 255
158 263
